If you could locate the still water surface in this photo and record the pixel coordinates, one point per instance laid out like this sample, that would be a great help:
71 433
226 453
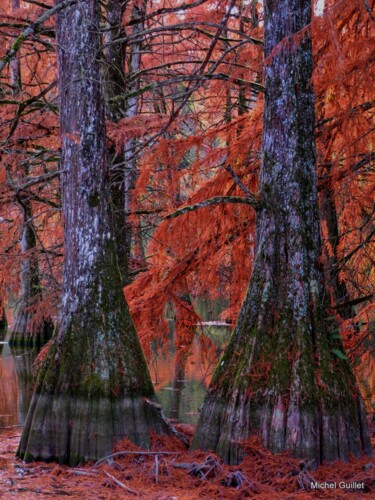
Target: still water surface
180 389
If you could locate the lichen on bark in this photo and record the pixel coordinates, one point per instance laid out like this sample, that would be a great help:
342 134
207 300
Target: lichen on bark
94 386
279 376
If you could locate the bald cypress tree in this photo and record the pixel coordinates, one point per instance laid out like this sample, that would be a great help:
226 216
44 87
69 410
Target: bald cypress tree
284 375
94 386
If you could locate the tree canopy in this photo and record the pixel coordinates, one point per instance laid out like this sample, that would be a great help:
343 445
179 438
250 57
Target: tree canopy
183 92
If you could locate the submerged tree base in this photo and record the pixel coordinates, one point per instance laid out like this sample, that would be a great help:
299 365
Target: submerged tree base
99 424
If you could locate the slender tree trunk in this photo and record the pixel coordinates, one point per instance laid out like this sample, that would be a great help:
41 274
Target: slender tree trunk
3 319
117 86
281 375
184 334
131 172
328 214
178 385
15 66
27 331
94 385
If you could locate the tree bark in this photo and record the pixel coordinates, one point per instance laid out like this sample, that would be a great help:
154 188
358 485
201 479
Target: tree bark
94 385
282 375
117 86
27 331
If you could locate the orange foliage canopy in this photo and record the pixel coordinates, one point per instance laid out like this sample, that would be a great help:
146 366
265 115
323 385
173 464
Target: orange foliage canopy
198 134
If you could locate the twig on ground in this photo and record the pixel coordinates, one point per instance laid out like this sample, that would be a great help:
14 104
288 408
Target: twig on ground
83 473
238 480
210 466
122 453
156 469
122 485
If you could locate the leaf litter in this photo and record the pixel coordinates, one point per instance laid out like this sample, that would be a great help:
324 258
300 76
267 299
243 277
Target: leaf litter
170 472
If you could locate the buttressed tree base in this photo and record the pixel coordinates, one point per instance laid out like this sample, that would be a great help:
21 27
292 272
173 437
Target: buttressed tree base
93 387
284 375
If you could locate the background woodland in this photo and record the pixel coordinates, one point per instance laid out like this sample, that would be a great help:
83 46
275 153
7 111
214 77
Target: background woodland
184 106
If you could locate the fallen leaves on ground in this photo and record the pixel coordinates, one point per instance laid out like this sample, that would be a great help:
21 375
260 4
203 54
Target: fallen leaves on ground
183 475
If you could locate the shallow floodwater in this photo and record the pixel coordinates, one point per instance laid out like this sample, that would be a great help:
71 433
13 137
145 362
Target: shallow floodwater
180 389
16 385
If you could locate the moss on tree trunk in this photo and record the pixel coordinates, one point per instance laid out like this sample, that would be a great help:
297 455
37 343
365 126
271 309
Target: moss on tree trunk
93 387
283 375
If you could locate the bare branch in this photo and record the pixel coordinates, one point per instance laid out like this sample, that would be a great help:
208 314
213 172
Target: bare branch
39 4
353 302
238 181
34 180
122 485
256 87
14 49
252 200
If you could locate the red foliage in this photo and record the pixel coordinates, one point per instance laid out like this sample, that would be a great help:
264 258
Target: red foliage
198 131
260 475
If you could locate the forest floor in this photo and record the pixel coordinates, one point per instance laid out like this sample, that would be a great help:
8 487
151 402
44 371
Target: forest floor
183 475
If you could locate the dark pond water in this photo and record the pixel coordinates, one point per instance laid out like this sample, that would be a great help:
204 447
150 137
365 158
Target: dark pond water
16 385
180 389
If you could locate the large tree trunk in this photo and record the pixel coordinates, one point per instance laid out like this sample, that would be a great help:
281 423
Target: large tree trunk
282 375
93 386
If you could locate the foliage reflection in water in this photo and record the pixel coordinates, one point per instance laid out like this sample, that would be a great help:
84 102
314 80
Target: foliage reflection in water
16 385
181 387
180 396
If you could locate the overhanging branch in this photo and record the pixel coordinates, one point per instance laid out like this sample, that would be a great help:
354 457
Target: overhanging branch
353 302
253 201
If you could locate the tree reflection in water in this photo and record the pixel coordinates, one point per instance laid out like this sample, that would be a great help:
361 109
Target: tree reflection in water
16 384
181 383
180 386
